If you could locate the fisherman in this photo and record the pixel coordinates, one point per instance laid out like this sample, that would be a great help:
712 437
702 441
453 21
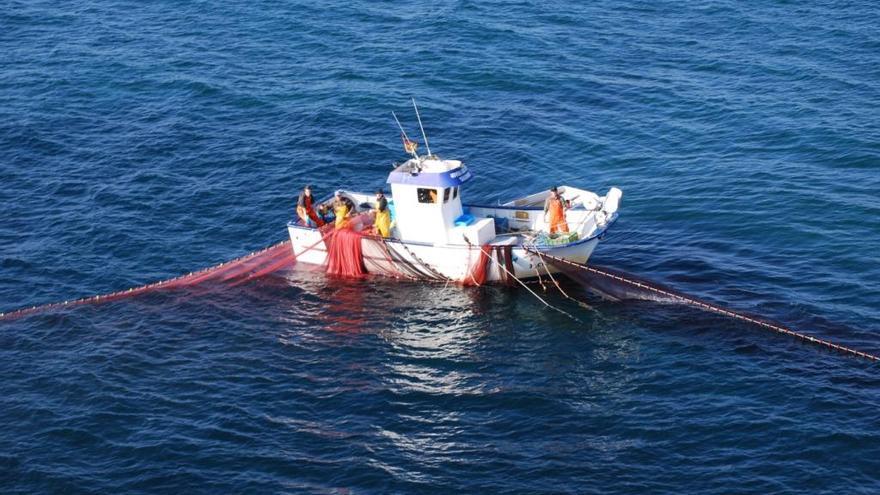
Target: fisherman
325 213
342 208
383 215
305 209
554 208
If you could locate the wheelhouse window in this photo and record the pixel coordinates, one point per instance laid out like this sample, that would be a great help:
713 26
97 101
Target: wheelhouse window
427 195
455 192
446 194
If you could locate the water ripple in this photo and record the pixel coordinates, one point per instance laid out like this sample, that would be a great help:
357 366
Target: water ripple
141 141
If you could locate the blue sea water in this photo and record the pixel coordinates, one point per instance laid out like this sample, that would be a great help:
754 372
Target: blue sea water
142 140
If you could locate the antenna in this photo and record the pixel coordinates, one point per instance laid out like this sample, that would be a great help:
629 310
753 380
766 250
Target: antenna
399 126
427 147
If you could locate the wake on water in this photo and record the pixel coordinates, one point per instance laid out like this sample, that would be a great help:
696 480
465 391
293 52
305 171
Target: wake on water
346 259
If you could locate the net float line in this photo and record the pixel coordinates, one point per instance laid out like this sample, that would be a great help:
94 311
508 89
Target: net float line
280 263
712 308
233 272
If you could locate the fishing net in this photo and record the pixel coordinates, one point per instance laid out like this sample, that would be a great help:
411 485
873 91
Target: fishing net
504 258
478 270
617 285
345 257
351 249
233 272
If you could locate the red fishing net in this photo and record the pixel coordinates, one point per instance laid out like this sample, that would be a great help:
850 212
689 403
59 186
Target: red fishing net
344 254
237 271
349 252
478 270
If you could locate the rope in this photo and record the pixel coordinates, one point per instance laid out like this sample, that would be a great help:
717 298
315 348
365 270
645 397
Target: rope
717 309
544 264
526 286
431 271
549 274
388 256
541 281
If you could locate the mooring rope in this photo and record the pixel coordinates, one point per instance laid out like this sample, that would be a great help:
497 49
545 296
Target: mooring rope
714 309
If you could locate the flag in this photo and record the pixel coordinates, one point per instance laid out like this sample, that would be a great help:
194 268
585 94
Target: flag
409 146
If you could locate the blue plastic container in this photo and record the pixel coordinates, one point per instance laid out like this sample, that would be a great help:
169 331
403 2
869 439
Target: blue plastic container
464 220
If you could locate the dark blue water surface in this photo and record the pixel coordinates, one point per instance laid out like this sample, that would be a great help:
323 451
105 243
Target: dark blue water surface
141 140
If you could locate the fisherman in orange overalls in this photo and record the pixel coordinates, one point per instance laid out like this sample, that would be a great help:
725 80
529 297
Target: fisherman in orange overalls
554 212
305 209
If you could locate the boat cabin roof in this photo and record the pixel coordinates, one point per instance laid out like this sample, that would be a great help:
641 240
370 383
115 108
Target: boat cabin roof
430 172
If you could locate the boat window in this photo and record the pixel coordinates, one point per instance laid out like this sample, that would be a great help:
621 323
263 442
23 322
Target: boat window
427 195
455 193
446 194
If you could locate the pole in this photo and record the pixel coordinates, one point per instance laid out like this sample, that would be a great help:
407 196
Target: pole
424 136
399 126
405 137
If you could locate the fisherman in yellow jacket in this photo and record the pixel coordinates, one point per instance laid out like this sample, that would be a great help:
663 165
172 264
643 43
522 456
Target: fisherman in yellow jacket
383 215
342 209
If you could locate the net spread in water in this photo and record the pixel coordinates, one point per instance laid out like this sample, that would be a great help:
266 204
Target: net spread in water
617 285
233 272
345 257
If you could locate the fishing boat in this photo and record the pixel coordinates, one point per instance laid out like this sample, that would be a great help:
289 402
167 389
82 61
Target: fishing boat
435 235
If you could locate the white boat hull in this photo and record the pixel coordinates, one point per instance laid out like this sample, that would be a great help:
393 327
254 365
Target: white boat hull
429 244
452 262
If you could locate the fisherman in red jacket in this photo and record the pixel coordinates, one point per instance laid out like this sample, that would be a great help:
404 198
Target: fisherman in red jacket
305 209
